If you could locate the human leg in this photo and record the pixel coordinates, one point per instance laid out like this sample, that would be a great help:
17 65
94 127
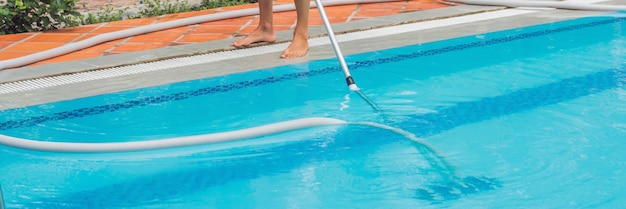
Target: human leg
299 45
265 31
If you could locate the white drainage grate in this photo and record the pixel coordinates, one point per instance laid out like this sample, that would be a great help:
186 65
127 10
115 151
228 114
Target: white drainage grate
39 83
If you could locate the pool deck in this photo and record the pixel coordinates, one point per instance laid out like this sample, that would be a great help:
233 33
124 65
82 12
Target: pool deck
18 45
215 38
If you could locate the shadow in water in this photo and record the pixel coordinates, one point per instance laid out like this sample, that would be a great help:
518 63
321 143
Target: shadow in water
493 107
436 193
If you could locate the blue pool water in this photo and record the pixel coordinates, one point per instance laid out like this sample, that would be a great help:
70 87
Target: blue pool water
528 118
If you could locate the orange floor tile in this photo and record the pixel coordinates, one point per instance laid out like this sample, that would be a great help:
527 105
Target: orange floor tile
16 45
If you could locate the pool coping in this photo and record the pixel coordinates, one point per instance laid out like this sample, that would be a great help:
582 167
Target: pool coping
65 92
30 72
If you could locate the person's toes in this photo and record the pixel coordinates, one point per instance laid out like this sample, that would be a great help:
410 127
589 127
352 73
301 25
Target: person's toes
240 43
293 54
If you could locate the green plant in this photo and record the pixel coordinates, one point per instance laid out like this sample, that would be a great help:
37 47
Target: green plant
106 14
157 7
207 4
149 8
17 16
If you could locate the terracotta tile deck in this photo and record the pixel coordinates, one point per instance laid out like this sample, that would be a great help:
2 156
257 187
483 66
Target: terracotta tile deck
16 45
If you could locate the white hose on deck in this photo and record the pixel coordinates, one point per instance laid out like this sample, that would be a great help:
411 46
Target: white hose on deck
549 4
71 47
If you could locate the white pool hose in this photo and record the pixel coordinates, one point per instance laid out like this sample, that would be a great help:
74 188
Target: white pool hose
434 157
247 133
71 47
573 5
258 131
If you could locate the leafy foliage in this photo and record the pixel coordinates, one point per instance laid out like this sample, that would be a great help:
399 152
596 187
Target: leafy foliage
157 7
17 16
224 3
107 13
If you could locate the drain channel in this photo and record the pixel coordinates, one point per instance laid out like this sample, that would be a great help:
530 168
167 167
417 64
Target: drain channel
58 80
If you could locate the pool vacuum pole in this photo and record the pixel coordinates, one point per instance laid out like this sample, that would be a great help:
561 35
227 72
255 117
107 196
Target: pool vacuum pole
331 35
333 41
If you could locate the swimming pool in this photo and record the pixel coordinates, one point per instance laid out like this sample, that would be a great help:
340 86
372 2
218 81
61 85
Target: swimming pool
527 117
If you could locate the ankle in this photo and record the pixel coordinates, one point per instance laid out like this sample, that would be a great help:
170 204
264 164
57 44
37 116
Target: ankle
266 28
301 36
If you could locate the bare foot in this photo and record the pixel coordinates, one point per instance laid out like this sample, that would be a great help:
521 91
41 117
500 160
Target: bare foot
257 35
298 48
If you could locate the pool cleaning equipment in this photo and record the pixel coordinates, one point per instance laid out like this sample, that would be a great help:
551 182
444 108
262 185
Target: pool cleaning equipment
431 154
75 46
453 185
76 147
333 41
247 133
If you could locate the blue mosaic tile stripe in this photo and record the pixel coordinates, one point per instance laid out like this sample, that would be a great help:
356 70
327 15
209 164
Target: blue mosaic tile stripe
83 112
492 41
